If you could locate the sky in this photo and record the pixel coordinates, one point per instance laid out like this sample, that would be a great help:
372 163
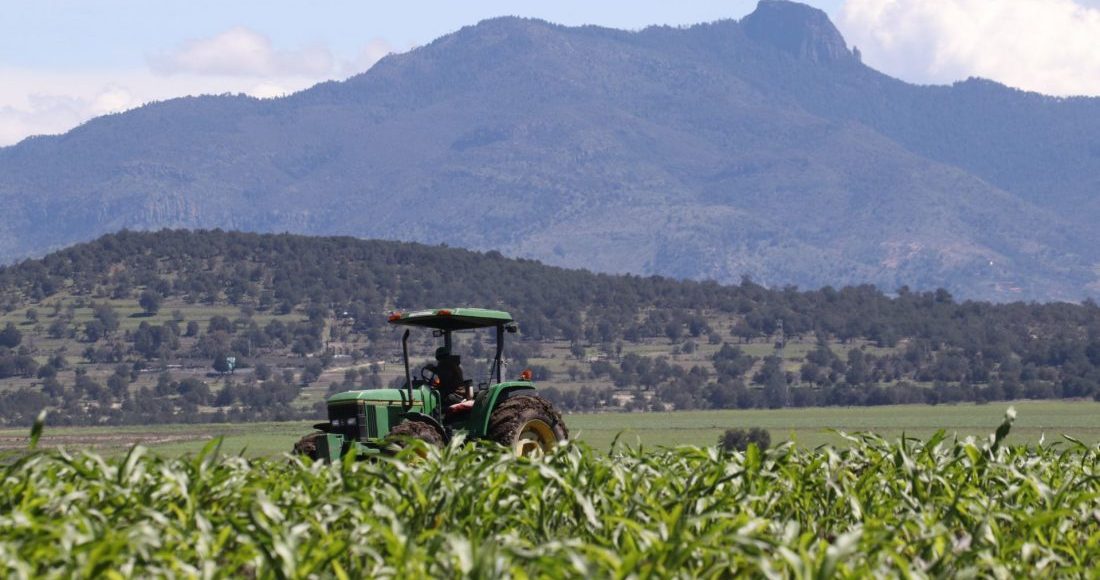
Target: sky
65 61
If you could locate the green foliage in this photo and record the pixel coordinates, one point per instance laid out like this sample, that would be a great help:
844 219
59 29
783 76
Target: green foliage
335 290
150 302
740 439
938 508
107 317
311 371
10 337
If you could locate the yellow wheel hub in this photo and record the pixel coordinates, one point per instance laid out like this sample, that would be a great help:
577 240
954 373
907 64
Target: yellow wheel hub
534 439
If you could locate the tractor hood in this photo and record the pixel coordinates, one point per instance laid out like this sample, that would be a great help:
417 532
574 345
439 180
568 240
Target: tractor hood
377 397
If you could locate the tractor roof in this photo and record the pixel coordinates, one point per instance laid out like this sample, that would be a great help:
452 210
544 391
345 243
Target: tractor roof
452 318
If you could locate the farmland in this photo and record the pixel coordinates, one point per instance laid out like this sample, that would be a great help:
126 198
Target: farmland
807 427
873 507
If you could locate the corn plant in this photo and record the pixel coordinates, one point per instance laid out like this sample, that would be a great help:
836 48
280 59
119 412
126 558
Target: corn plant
941 507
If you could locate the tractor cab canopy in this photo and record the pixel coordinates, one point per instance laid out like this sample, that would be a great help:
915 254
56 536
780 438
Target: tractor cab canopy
444 321
451 319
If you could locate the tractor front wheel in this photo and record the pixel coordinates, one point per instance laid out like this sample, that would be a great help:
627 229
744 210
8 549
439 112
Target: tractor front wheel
403 432
308 445
528 425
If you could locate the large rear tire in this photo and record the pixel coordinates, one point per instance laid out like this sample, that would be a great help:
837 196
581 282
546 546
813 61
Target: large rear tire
528 425
408 430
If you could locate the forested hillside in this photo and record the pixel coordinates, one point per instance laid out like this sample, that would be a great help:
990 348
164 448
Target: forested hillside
137 327
759 147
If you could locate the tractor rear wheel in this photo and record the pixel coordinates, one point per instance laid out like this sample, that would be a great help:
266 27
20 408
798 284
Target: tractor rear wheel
528 425
403 432
308 445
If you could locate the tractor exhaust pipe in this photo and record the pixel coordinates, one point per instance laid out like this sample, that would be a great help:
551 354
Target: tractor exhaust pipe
408 374
500 354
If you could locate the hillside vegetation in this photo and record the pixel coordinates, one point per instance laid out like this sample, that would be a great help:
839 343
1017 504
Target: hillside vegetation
137 327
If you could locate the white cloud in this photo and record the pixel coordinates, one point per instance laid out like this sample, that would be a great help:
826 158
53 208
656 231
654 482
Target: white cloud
239 60
371 53
44 103
44 114
268 91
52 105
112 100
241 51
1049 46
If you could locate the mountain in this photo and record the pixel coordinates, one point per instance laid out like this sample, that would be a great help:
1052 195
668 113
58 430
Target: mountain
762 147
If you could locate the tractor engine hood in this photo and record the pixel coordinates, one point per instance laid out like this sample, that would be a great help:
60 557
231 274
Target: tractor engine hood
396 397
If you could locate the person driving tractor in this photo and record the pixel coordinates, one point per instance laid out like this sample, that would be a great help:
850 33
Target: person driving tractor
448 376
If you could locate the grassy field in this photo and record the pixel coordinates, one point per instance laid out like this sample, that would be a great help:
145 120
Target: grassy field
808 427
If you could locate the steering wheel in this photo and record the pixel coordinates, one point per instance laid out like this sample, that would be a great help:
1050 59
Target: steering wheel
428 374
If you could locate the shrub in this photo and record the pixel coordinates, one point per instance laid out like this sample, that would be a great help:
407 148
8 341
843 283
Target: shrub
739 439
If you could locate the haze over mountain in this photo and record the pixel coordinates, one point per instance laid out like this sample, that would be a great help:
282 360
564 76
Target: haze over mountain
762 147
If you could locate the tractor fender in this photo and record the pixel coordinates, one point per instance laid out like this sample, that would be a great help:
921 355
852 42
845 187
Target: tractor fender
493 397
422 418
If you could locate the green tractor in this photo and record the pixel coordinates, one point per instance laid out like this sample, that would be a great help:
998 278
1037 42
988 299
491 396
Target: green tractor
438 404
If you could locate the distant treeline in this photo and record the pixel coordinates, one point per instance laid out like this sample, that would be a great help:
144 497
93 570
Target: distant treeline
939 350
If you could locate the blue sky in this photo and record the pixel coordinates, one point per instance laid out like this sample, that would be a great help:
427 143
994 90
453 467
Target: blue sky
64 61
119 33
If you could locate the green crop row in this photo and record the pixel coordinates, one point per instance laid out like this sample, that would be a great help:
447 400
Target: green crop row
877 508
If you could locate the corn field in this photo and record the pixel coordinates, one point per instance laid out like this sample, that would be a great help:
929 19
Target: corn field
875 508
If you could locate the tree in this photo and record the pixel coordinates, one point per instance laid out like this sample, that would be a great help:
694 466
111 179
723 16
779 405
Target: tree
304 345
118 385
12 365
221 363
726 394
47 371
10 337
52 387
674 330
731 362
312 371
740 439
107 317
856 374
194 391
93 330
59 328
227 396
774 380
149 302
148 340
220 323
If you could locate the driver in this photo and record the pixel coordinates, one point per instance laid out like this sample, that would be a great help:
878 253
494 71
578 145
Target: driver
448 373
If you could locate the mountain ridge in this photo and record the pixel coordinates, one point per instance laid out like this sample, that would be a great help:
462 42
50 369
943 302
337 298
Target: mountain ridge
732 148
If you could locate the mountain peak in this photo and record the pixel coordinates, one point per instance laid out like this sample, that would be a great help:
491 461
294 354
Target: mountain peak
803 31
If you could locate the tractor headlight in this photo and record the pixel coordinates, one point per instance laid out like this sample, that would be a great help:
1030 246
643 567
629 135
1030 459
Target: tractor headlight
335 422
